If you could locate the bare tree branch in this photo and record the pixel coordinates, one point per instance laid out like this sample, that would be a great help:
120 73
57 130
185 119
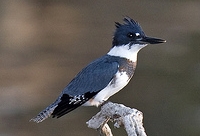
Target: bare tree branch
131 119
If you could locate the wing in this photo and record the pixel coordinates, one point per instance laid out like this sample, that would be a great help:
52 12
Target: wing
94 77
86 84
83 87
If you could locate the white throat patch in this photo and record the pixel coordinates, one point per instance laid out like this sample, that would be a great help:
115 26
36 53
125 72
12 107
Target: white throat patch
126 51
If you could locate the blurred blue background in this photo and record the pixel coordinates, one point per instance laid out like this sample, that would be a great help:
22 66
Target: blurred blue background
44 44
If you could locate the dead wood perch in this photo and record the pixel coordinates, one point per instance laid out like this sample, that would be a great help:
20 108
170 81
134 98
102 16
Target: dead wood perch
131 119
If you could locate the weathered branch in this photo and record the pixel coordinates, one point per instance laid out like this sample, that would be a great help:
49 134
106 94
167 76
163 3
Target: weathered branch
131 119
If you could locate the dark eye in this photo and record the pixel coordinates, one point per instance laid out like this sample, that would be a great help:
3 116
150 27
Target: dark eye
131 35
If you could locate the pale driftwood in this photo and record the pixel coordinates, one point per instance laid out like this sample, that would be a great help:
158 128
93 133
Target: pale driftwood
131 119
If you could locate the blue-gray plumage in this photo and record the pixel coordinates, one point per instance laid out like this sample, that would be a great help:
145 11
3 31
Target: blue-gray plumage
105 76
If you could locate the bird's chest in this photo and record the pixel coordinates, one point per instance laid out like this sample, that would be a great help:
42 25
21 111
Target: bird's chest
127 67
122 77
120 80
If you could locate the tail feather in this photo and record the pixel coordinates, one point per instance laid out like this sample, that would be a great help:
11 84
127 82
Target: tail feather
64 104
44 114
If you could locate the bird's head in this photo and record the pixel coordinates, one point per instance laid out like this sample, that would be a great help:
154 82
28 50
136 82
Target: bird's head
130 32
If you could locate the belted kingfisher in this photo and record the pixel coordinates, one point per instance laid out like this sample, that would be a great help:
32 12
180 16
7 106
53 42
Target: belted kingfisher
105 76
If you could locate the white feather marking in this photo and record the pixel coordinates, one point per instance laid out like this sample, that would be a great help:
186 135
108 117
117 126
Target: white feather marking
127 51
116 84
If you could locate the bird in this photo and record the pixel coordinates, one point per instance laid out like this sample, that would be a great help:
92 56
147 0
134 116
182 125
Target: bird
105 76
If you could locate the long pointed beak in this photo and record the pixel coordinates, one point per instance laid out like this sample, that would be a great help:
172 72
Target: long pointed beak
151 40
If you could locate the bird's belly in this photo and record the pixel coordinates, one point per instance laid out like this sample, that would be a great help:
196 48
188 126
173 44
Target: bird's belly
120 80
